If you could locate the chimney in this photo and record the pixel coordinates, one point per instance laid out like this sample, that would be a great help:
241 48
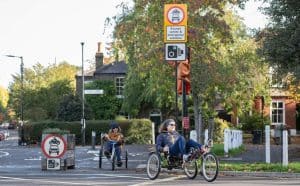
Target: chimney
99 57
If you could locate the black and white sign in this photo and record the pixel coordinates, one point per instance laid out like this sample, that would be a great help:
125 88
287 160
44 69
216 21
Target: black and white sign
175 52
176 33
54 146
53 164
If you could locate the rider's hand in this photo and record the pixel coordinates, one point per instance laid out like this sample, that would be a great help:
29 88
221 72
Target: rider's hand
166 149
204 149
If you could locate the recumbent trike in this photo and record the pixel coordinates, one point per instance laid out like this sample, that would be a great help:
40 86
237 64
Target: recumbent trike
207 161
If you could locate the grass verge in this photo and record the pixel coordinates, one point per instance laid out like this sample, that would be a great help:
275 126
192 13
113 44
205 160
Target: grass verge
293 167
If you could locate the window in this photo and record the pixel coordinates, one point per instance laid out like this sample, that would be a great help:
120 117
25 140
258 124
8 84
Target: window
277 112
120 86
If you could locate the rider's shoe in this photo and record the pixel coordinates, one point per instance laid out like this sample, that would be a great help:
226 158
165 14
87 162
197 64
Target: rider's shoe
186 157
107 154
119 164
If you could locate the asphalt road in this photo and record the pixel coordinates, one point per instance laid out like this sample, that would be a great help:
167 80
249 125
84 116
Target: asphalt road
21 165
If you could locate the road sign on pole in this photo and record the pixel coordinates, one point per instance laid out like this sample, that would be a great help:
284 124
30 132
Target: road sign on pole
175 23
96 91
175 52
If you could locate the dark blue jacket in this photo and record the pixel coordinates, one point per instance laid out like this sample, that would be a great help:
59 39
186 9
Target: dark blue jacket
166 139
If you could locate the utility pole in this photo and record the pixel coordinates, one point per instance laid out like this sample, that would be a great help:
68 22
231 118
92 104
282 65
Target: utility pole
21 136
83 100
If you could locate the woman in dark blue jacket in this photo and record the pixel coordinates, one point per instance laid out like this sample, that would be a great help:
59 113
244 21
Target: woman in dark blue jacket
169 140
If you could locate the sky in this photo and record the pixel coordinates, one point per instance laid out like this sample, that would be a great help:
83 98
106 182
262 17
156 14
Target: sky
49 31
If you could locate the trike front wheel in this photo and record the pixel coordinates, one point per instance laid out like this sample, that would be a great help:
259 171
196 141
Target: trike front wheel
210 167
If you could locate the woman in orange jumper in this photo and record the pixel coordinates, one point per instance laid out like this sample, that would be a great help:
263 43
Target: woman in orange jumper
114 136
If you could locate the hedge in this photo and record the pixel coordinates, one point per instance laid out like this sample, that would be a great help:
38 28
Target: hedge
138 131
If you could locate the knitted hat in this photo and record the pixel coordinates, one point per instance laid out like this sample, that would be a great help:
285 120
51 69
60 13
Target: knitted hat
114 125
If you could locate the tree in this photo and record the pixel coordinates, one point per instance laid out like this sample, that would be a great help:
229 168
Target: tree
3 103
106 106
223 59
281 40
70 109
44 88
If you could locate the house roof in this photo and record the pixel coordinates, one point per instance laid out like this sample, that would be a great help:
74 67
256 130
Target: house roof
117 67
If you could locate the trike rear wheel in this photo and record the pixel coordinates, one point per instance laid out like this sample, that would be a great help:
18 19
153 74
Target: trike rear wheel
153 166
191 169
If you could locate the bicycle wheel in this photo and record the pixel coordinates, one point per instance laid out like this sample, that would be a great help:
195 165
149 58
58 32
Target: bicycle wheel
153 166
126 159
113 161
210 167
191 169
100 158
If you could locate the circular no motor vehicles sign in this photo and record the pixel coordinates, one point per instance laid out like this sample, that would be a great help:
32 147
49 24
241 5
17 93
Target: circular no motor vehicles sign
54 146
175 15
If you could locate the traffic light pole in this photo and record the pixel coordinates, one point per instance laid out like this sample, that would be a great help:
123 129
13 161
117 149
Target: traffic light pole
176 98
185 118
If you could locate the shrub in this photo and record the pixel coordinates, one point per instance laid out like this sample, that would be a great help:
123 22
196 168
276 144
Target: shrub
254 122
139 131
219 127
135 131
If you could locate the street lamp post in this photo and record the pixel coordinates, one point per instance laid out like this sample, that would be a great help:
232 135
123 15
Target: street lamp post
83 116
21 141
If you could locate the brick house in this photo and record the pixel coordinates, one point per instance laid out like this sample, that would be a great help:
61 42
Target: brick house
115 71
282 110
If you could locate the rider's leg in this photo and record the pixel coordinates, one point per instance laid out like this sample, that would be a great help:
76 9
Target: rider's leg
191 143
118 154
108 149
178 149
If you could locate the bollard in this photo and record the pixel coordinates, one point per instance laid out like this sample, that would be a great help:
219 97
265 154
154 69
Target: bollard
93 139
285 155
153 133
226 139
267 137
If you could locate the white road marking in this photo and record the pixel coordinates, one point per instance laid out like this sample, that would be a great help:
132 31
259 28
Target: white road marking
156 182
2 154
73 183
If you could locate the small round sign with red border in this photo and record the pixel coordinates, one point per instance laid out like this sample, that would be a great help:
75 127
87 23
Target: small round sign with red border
175 15
54 146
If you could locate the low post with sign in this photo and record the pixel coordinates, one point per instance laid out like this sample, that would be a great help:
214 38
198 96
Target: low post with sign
58 151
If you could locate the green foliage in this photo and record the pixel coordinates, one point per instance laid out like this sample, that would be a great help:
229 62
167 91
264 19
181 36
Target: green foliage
70 109
293 167
219 127
44 88
218 149
253 122
55 131
105 106
282 36
139 131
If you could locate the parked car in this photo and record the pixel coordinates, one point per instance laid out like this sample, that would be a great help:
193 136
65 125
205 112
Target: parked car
4 125
11 126
4 134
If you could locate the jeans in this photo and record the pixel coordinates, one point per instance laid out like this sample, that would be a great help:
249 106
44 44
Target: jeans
181 147
108 147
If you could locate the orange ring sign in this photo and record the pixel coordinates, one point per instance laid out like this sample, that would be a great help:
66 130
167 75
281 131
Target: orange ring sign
175 23
54 146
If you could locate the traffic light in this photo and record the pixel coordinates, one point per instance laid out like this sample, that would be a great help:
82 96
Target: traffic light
183 74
